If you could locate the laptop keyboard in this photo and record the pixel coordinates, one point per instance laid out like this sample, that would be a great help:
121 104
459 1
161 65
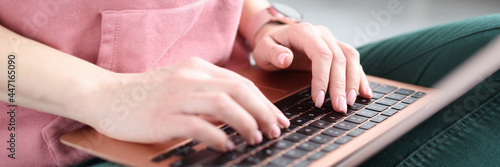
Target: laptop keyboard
313 131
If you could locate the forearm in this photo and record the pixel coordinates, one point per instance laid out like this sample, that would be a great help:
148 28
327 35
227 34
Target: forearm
46 79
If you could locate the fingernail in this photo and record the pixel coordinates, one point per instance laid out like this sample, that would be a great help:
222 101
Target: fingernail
285 120
275 131
320 98
369 91
342 104
282 57
229 145
258 137
351 97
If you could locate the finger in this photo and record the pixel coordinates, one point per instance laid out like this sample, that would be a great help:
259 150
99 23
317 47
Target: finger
353 77
307 39
190 126
222 107
249 100
364 88
337 83
218 72
270 55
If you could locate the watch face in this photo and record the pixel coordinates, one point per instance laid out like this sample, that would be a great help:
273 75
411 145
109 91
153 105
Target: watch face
287 11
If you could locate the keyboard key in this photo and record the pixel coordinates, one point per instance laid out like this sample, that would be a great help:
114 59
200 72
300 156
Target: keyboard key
236 139
252 160
183 151
321 139
404 91
308 146
345 125
308 102
335 132
229 156
320 124
162 157
367 125
228 130
373 85
366 113
330 147
325 109
299 108
399 106
356 119
282 144
299 121
389 112
364 101
349 112
317 155
377 107
280 161
355 132
356 106
333 117
308 130
290 114
343 139
312 115
386 101
376 95
419 94
295 153
378 118
409 100
267 152
289 101
291 127
198 158
395 96
384 89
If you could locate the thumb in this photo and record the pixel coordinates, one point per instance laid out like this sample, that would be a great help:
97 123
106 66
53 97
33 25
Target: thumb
270 55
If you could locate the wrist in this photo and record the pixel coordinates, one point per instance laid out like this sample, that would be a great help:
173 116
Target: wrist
93 99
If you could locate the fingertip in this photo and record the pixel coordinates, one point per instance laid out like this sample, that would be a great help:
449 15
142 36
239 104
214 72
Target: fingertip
275 131
283 121
320 99
282 58
351 97
229 145
342 104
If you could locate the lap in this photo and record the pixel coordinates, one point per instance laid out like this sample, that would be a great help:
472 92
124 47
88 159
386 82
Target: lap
423 58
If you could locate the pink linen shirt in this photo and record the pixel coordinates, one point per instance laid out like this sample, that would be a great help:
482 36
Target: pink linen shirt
125 36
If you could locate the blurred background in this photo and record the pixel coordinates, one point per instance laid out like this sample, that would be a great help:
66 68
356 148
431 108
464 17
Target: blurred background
358 22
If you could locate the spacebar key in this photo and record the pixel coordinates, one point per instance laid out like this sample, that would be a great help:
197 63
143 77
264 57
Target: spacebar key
197 158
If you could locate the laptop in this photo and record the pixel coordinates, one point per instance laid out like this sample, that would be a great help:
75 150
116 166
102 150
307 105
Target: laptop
316 136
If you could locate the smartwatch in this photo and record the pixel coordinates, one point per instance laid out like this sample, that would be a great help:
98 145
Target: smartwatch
277 12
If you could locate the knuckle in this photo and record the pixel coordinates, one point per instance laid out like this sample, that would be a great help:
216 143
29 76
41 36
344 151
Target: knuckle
220 101
322 28
351 52
324 54
305 28
339 85
323 79
339 59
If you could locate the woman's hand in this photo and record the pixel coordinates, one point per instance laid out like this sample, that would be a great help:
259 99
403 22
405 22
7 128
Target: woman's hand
335 65
167 102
